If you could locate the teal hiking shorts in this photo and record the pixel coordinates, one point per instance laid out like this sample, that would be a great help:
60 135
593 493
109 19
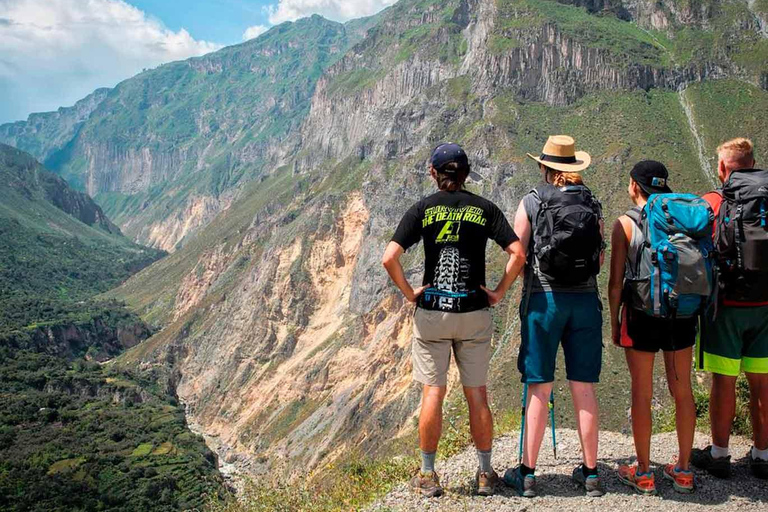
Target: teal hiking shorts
736 341
574 320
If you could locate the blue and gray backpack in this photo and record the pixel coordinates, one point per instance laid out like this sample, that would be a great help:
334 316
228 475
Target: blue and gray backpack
674 270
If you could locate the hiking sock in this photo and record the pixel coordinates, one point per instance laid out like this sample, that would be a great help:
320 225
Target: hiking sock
428 462
718 452
588 472
525 470
484 459
759 454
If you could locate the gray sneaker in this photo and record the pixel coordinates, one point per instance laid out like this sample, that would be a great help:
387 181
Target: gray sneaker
525 486
427 484
591 484
719 467
759 467
485 483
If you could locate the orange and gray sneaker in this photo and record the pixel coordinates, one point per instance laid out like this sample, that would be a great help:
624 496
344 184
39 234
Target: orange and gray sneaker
682 480
427 484
485 483
643 483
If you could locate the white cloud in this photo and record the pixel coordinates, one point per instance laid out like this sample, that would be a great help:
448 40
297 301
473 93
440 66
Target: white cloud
54 52
254 31
340 10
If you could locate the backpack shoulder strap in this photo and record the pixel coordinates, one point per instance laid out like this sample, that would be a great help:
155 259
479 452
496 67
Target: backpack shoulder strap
636 216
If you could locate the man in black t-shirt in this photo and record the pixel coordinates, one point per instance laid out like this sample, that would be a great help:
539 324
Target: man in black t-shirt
453 303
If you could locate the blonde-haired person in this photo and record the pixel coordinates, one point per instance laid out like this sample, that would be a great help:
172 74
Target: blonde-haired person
735 337
560 226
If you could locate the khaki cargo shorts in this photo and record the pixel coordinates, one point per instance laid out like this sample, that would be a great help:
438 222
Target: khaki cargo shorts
436 333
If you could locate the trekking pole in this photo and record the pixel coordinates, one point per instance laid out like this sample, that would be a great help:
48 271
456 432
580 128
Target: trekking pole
522 422
552 416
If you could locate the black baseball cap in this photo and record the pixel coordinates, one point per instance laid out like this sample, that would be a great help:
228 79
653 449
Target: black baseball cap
447 153
651 176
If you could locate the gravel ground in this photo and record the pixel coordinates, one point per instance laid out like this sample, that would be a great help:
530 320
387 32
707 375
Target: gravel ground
558 492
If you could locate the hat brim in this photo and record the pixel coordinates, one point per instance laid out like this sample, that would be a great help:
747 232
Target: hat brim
654 190
583 160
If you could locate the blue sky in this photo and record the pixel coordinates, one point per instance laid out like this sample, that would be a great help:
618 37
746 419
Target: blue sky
55 52
223 21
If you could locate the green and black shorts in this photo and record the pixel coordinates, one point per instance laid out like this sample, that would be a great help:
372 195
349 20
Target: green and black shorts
736 341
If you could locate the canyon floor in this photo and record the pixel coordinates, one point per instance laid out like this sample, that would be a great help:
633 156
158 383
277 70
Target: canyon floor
558 492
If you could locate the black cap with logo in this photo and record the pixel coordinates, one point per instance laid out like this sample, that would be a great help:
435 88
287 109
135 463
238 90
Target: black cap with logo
448 153
652 177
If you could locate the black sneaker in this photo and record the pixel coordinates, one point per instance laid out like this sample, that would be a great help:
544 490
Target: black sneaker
759 467
719 467
525 486
591 484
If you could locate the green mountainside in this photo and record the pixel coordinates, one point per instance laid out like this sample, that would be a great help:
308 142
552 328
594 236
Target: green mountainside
59 249
184 136
76 435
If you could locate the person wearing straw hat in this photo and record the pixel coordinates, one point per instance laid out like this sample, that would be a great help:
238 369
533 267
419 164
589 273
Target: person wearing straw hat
560 226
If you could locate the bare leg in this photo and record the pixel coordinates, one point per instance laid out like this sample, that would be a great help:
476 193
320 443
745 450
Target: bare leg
585 406
641 370
480 418
431 417
722 408
758 404
536 415
678 367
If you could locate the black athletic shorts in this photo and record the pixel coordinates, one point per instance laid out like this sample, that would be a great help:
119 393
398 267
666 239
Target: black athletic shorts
649 334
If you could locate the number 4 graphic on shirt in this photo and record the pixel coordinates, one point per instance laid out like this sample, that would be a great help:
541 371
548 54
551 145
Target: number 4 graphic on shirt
449 233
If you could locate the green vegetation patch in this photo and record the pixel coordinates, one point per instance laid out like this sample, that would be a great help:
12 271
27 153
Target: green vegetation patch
65 465
605 31
71 439
142 450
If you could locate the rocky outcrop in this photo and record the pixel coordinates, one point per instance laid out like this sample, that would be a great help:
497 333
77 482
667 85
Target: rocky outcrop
48 135
200 128
100 337
24 174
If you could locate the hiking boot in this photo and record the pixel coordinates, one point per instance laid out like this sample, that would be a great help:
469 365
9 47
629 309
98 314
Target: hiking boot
759 467
524 486
427 484
643 483
682 481
485 483
591 483
719 467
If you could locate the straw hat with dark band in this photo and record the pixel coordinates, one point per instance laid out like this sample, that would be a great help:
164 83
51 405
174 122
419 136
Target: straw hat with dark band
560 154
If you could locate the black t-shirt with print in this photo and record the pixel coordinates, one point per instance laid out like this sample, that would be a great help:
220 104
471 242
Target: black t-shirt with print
455 227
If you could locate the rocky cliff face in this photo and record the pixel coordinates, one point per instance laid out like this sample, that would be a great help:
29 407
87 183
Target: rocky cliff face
47 135
167 150
288 339
26 176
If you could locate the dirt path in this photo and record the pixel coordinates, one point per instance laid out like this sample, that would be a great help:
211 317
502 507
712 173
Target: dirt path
743 492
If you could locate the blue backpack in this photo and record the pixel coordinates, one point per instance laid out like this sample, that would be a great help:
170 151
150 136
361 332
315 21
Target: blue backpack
674 270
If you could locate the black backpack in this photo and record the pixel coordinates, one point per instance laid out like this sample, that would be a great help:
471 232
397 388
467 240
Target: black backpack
566 234
741 236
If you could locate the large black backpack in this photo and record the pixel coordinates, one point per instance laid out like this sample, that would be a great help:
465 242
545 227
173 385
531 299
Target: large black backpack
741 236
566 234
